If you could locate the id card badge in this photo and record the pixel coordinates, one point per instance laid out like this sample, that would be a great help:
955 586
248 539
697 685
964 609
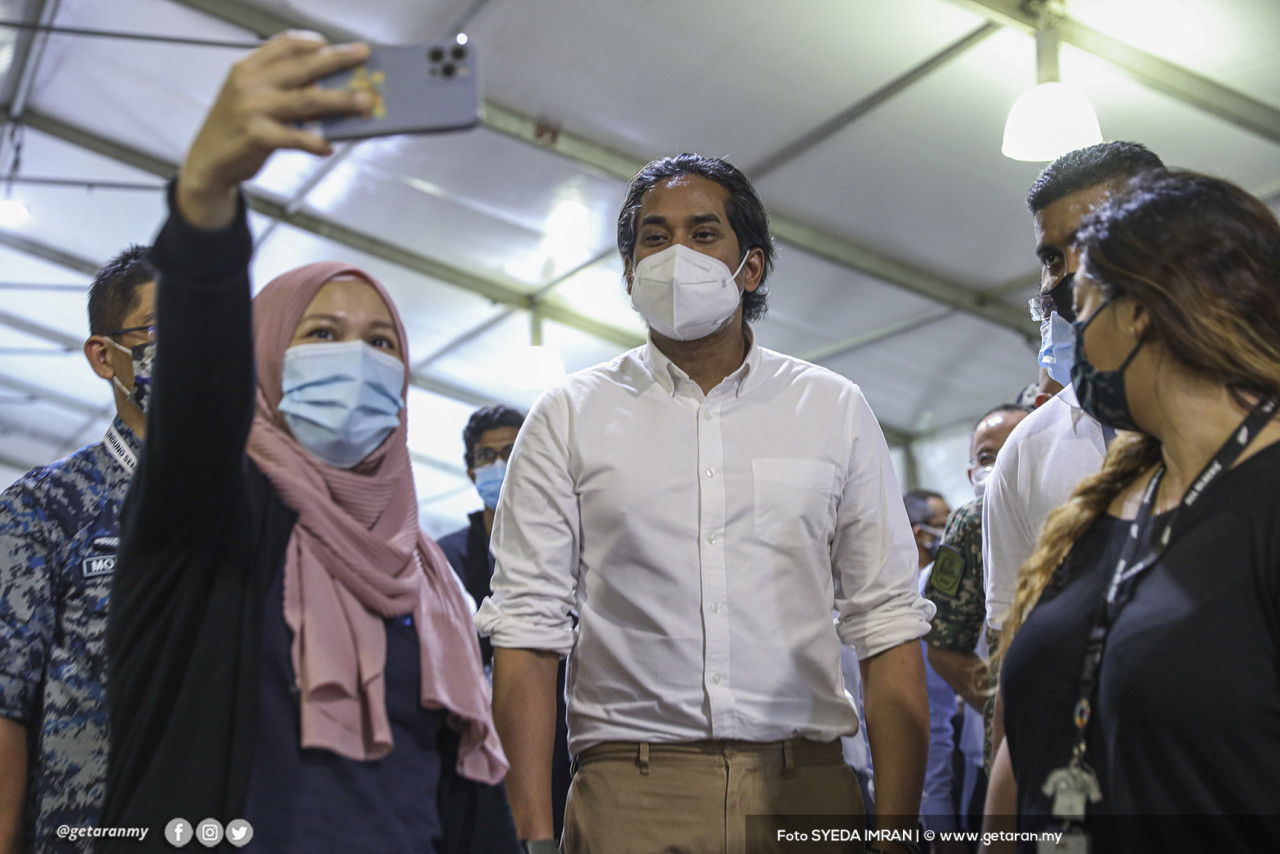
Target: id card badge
1072 841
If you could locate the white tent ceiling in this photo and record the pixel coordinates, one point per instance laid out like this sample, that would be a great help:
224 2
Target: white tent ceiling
872 128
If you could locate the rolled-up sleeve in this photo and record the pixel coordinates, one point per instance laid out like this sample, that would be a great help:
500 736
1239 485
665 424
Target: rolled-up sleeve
873 555
536 538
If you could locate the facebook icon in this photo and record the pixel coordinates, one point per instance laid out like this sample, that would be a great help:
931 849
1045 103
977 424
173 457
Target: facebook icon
178 832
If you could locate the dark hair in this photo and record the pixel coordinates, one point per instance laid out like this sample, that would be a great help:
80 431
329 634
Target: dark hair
917 502
747 216
482 421
1088 167
114 291
1202 256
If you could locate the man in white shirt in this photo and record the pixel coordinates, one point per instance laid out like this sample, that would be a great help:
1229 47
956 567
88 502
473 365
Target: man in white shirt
1058 444
702 504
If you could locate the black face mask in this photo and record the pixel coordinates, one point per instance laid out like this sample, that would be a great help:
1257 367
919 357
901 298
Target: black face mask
1101 393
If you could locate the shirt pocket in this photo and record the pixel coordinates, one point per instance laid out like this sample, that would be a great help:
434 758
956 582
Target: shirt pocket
792 499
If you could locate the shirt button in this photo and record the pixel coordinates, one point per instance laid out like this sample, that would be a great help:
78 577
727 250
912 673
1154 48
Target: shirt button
706 413
715 607
717 679
711 472
712 539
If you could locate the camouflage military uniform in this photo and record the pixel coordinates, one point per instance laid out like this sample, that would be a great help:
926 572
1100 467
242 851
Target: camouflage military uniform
58 541
956 587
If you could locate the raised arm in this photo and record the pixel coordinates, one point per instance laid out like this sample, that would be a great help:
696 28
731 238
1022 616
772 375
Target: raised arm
202 402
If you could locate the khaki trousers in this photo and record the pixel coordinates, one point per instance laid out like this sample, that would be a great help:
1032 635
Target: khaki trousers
694 798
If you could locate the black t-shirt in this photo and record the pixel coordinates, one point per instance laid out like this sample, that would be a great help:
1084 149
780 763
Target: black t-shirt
1186 719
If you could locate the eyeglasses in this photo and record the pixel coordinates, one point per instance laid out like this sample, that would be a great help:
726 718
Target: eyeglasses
149 329
1057 299
489 456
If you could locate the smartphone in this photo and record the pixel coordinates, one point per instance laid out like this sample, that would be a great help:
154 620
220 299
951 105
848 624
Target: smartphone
415 88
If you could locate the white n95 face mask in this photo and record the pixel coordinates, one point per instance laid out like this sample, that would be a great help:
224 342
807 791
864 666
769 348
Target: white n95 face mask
341 400
683 294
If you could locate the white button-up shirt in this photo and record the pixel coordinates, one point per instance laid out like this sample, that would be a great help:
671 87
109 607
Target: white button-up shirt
703 541
1045 456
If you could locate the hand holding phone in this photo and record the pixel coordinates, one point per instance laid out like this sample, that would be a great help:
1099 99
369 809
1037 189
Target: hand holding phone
256 113
413 89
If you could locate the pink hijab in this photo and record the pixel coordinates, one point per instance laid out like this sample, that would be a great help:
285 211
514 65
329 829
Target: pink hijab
356 557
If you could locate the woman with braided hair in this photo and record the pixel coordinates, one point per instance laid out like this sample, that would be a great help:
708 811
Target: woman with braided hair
1141 659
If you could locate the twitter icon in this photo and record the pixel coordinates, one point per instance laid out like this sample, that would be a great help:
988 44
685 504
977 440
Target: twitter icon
239 832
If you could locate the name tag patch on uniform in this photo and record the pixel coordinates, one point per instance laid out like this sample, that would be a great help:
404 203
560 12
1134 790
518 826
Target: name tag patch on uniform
98 565
948 568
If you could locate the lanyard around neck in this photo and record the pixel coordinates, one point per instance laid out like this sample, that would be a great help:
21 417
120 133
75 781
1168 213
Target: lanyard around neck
1130 568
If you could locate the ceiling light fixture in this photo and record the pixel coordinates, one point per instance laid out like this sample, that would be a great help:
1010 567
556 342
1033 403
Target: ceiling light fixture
1052 117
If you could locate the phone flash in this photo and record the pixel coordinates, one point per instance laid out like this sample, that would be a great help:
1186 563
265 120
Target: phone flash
462 38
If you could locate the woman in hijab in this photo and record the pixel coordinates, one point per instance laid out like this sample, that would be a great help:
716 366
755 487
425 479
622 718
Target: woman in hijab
287 648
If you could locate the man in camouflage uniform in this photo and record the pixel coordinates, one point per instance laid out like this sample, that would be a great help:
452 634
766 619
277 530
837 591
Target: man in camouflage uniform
956 583
58 540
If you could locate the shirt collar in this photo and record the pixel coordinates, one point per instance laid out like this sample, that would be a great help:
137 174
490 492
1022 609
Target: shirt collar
131 438
1068 396
132 444
669 375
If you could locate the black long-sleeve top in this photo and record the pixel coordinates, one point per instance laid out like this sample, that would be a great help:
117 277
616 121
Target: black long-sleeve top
202 545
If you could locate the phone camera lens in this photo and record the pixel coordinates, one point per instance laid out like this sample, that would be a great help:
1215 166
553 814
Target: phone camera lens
448 69
459 52
435 54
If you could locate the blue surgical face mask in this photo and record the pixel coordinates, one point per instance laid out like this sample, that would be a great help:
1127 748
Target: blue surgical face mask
341 400
1057 348
489 482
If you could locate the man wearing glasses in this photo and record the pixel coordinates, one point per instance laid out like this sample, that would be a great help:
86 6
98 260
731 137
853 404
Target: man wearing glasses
58 540
1058 444
487 440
